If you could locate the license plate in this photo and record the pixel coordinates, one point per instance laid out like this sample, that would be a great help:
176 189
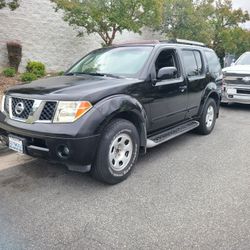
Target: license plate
231 91
16 144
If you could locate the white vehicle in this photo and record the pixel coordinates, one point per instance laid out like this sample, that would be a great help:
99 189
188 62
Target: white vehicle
236 81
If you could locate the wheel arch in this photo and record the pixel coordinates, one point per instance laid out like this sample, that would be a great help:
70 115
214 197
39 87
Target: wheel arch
124 107
210 92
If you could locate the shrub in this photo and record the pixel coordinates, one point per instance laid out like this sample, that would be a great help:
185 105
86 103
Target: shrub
61 73
28 77
37 68
9 72
14 54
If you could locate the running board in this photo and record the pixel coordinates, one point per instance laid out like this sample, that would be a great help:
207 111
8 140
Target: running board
171 133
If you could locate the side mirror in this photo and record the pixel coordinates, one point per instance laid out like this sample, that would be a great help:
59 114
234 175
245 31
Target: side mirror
167 73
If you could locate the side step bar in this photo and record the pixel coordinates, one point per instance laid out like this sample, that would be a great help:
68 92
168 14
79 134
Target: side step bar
171 133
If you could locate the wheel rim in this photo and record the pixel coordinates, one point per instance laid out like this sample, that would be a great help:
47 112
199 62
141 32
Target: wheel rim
120 152
210 116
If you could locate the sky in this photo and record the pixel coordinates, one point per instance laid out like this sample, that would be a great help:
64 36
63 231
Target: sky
245 5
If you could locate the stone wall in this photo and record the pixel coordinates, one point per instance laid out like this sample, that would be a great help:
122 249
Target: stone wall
46 37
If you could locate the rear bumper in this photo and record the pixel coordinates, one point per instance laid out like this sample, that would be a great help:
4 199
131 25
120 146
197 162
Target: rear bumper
81 150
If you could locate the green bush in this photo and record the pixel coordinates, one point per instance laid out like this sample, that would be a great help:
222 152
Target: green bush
60 73
37 68
28 77
9 72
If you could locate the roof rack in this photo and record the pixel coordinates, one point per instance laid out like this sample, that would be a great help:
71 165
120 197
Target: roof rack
137 42
183 41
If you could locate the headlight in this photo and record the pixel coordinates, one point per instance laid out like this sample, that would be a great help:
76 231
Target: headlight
3 102
68 111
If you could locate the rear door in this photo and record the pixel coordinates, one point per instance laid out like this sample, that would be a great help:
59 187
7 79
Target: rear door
194 66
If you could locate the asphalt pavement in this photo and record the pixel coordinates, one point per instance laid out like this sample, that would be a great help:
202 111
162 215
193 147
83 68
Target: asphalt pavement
190 193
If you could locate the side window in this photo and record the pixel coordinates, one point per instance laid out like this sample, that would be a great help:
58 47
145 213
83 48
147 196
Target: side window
166 58
197 55
192 62
213 63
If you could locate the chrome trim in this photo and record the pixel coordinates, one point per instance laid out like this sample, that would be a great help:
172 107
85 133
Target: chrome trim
38 148
3 103
36 110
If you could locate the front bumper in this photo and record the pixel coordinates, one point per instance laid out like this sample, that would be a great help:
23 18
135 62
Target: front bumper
234 95
47 143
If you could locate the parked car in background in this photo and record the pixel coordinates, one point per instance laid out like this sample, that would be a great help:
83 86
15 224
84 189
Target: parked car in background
236 81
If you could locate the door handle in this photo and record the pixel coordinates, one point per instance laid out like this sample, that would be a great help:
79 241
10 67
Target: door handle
183 88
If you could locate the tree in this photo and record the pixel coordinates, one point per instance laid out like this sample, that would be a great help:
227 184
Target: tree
109 17
225 21
213 22
235 41
187 19
12 4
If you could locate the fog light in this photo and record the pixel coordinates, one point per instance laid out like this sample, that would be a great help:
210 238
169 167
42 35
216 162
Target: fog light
63 151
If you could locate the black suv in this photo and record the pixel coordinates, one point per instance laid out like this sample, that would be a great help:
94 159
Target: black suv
114 103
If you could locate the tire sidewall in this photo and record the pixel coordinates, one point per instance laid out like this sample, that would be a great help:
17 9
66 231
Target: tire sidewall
102 165
133 158
208 130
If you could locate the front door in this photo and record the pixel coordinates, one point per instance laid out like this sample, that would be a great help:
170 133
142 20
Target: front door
169 96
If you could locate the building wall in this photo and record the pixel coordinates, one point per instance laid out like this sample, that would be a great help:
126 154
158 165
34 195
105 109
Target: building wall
46 37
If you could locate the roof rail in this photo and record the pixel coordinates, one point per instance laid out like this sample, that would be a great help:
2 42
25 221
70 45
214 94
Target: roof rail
137 42
183 41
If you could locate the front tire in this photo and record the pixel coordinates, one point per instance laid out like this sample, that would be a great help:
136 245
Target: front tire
117 152
208 117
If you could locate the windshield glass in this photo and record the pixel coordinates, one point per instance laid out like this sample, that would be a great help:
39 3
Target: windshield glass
122 61
244 59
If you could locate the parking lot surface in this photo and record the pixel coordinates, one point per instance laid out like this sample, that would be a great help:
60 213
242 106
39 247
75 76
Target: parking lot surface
190 193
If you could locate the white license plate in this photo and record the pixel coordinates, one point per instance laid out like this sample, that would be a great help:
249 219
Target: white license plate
16 144
231 91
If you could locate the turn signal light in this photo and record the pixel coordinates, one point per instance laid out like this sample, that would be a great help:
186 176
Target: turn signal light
82 109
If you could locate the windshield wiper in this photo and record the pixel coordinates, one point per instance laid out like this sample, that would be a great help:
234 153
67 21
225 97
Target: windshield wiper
93 74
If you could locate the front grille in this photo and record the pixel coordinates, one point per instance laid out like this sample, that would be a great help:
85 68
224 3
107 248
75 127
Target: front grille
36 110
27 108
48 111
236 79
243 91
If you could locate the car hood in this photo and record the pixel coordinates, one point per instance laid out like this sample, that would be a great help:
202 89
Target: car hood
72 87
238 69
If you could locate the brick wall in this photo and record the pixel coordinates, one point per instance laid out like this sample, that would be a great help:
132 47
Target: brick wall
46 37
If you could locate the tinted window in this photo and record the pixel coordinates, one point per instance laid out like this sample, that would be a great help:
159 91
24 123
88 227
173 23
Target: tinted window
197 55
213 63
192 62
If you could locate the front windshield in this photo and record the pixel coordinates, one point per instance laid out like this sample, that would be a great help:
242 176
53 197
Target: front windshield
244 59
122 61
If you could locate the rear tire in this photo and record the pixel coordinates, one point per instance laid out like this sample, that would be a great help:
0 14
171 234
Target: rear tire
117 153
208 117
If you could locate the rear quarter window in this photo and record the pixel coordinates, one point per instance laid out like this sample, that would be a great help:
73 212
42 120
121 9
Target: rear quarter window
213 63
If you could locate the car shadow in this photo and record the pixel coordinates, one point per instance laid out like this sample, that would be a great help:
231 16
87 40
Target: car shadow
4 150
25 175
236 106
